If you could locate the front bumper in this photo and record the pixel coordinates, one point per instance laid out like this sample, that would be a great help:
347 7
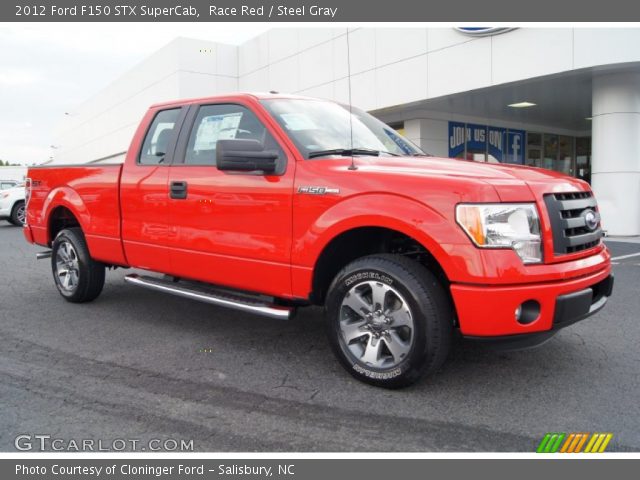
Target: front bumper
488 313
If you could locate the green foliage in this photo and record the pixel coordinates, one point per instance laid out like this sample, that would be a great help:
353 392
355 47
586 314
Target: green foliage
6 163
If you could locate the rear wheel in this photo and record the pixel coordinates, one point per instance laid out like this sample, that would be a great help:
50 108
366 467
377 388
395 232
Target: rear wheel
18 214
389 320
78 277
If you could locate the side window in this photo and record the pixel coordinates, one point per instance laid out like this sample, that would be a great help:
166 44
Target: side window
156 142
220 122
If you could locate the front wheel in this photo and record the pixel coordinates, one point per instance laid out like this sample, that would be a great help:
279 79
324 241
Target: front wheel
389 320
78 277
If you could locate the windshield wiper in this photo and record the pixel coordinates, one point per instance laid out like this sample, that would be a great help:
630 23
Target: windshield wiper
347 152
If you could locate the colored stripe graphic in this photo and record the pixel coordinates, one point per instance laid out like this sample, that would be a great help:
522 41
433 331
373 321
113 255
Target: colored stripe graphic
581 443
574 442
550 443
598 443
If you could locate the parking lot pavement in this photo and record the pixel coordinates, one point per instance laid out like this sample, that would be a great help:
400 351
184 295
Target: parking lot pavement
136 364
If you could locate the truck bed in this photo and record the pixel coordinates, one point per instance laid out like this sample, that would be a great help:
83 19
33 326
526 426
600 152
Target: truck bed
91 192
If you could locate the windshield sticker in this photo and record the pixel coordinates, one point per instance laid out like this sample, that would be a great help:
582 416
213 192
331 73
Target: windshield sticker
216 127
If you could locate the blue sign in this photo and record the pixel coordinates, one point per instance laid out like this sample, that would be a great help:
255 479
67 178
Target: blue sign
515 147
476 138
501 144
457 138
496 142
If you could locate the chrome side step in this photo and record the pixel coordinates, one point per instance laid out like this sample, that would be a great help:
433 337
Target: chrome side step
43 255
240 302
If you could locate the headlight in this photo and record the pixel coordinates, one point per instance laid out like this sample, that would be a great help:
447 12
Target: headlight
503 225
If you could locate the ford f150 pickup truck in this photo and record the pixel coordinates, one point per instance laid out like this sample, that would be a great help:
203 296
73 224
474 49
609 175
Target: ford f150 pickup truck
266 203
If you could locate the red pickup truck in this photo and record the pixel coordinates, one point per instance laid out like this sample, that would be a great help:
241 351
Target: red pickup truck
266 203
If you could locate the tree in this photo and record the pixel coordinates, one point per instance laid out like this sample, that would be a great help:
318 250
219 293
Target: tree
1 163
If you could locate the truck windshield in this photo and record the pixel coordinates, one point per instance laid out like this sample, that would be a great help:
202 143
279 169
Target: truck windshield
322 129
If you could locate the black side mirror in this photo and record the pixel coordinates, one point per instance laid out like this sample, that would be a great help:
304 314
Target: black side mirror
241 155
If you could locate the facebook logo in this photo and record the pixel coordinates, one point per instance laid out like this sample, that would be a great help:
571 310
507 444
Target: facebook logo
515 146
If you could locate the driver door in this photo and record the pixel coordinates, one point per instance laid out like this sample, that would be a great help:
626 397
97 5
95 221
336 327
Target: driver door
229 228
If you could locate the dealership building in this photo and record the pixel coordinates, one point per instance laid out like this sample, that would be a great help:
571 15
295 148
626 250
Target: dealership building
565 99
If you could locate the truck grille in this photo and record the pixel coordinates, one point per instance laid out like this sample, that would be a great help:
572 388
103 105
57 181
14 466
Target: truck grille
569 213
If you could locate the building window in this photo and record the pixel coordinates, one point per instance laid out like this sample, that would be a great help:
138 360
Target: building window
550 154
583 158
534 149
565 155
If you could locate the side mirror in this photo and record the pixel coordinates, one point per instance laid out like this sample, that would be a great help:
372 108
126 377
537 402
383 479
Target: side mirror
241 155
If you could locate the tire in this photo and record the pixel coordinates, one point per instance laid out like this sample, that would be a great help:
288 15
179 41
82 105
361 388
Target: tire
396 345
84 277
17 214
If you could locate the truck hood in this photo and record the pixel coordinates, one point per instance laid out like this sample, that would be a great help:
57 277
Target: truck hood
512 182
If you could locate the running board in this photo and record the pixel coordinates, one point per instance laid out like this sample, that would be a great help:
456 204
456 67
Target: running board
43 255
241 302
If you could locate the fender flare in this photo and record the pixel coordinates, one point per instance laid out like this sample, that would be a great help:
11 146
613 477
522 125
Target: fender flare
68 198
426 226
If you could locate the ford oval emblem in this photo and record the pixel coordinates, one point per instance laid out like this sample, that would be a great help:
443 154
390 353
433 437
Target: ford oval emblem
591 219
483 31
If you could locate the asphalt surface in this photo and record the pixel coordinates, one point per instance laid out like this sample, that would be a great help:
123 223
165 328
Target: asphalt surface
136 364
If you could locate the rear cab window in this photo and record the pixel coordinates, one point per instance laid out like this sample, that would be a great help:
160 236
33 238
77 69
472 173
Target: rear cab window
158 138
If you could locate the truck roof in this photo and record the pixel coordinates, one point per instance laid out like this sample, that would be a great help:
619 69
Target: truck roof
254 95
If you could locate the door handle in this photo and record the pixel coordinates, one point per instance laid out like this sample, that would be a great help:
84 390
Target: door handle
178 190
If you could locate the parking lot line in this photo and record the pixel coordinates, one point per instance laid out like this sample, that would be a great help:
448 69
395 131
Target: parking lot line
622 257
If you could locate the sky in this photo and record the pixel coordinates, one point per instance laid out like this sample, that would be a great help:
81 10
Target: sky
47 69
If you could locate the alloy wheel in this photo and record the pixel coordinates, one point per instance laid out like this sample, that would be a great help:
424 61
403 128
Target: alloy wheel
376 324
67 267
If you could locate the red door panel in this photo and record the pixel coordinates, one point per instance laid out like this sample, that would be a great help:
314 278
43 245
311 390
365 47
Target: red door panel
232 229
144 191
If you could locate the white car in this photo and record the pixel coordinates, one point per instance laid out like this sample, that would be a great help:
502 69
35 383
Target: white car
12 205
4 184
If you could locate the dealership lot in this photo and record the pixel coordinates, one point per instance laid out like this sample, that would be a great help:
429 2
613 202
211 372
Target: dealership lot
136 364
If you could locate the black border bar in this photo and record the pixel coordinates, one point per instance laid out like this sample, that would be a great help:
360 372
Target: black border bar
485 12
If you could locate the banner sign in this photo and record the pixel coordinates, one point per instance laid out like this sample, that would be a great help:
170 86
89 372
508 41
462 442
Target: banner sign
457 139
499 143
476 138
495 147
515 147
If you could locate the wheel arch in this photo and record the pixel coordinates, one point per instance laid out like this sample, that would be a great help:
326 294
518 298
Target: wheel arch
64 208
353 243
59 218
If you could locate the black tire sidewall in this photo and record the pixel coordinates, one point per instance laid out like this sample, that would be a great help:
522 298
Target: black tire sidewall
73 236
423 311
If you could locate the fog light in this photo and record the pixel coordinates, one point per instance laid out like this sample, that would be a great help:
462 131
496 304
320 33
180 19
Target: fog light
528 312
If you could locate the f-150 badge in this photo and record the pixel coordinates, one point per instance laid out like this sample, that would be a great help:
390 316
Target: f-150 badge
312 190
